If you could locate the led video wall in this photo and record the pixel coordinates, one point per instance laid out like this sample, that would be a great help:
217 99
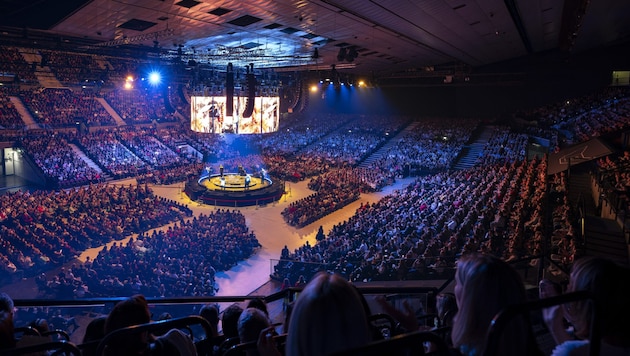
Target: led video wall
208 115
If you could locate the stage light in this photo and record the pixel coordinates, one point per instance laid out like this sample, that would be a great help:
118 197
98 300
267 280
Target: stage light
361 83
314 88
155 78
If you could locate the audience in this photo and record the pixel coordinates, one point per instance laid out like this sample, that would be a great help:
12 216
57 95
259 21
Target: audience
437 223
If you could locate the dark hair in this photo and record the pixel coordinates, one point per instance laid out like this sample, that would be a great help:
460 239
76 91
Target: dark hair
6 303
131 311
94 331
230 320
210 312
259 304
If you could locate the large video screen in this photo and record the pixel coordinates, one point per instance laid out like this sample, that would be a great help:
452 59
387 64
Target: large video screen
208 115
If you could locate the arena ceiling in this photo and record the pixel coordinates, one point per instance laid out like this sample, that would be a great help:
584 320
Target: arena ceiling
361 36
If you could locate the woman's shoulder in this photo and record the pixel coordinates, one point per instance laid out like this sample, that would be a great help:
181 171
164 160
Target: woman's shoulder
571 347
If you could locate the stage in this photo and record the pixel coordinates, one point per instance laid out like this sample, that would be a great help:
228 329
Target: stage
234 189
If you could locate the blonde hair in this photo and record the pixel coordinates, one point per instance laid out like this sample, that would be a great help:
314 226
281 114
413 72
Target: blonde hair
328 316
608 284
487 286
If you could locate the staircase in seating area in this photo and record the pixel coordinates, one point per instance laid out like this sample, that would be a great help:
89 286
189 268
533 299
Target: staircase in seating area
392 142
89 162
470 153
44 75
29 121
602 237
110 110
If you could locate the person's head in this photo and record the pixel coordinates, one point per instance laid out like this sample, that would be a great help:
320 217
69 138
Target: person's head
131 311
259 304
251 322
485 285
446 306
608 283
94 331
229 320
7 338
210 312
327 317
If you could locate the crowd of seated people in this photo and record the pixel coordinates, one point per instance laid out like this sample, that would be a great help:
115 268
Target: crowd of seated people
180 260
12 62
566 245
614 178
437 217
504 145
59 162
46 228
291 137
333 190
356 140
139 105
71 68
10 118
148 148
432 146
579 119
105 148
63 107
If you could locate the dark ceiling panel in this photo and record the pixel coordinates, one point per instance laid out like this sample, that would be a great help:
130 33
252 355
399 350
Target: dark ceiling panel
41 15
244 20
289 30
273 26
137 25
188 3
219 11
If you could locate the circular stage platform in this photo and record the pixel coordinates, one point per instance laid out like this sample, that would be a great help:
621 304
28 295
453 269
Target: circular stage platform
233 189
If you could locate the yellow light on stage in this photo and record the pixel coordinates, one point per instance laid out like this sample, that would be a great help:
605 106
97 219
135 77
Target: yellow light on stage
314 88
361 83
128 85
130 78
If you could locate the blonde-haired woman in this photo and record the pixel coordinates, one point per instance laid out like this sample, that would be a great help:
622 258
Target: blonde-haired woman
329 316
609 284
485 285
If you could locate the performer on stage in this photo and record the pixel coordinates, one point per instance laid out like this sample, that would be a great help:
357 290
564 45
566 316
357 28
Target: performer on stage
248 179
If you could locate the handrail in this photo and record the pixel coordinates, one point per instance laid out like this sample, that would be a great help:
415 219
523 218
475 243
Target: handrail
239 349
87 302
408 341
498 323
58 346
